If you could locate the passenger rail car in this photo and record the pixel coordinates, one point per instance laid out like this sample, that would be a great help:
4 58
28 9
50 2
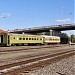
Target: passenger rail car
51 39
19 39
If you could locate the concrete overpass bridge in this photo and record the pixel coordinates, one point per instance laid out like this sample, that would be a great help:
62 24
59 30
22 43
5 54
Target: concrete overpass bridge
54 29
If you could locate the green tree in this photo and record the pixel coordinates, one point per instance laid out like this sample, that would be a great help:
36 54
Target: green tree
64 35
72 38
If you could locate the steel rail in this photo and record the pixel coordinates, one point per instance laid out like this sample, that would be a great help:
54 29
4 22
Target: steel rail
33 63
13 50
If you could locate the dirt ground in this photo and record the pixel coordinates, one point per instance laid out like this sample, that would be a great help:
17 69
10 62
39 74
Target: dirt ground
27 54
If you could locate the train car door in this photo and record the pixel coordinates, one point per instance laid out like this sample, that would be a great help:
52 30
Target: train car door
1 38
8 39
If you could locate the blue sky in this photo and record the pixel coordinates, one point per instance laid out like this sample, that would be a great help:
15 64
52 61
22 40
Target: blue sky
35 13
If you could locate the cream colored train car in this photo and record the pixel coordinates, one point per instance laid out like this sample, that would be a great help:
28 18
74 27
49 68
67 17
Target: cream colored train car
51 39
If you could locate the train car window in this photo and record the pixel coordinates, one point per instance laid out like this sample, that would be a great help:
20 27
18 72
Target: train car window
50 39
23 38
29 38
14 38
20 38
26 38
40 38
32 39
53 39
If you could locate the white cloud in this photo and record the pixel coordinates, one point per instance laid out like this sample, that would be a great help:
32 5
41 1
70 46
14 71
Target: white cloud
4 15
64 20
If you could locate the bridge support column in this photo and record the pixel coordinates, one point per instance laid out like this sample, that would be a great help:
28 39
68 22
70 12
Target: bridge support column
23 33
55 33
51 32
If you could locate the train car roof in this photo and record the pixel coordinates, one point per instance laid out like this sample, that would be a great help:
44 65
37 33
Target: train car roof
22 34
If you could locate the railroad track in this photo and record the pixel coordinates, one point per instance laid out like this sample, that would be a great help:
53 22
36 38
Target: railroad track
29 48
28 65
